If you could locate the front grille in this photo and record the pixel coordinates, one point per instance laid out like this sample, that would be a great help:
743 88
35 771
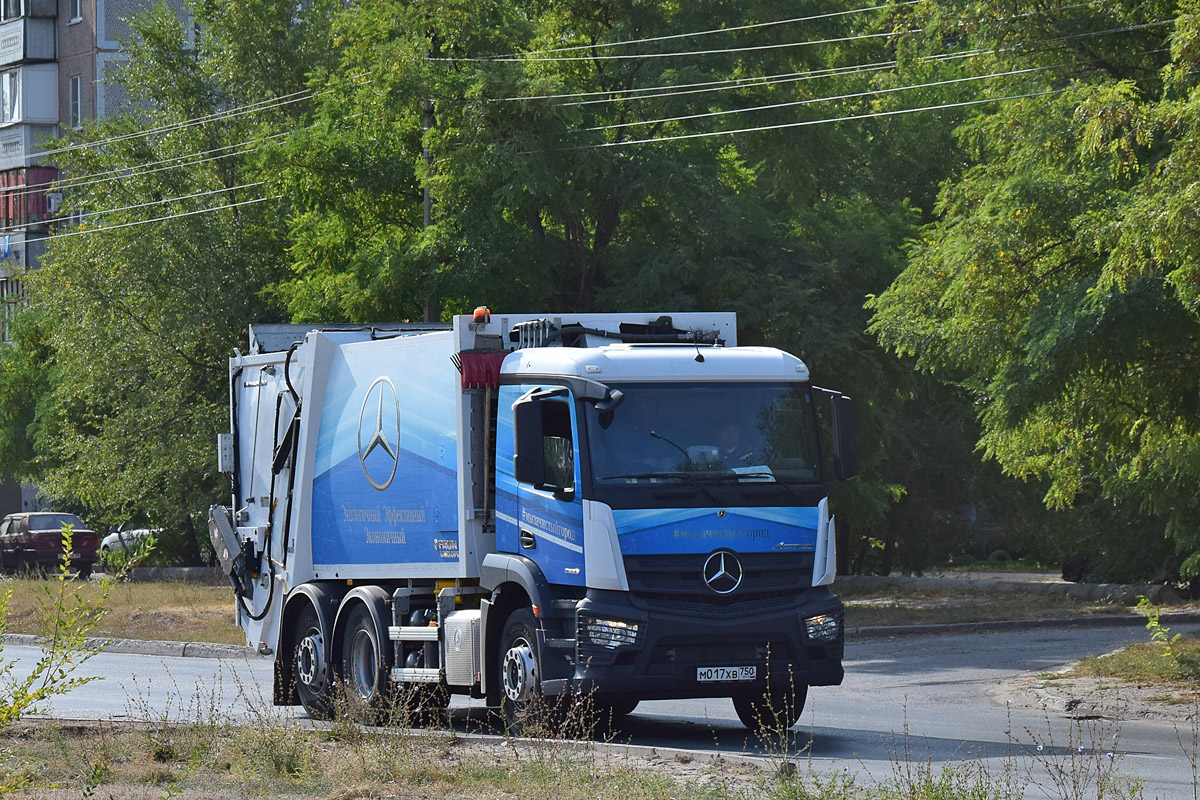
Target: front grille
675 583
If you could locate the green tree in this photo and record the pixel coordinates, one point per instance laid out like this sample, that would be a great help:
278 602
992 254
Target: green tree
136 309
542 197
1054 285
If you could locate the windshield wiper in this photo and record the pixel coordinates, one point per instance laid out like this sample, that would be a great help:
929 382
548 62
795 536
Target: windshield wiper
736 477
687 476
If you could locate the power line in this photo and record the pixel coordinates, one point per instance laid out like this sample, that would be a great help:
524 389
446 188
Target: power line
535 55
740 83
699 87
123 173
667 90
192 159
86 231
260 105
807 123
165 200
238 111
722 85
811 100
586 147
679 54
668 37
135 172
765 80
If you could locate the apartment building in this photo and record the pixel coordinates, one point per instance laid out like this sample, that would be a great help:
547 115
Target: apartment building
56 57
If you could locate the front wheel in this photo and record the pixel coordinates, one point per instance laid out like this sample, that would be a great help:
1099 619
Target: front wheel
772 711
526 710
607 712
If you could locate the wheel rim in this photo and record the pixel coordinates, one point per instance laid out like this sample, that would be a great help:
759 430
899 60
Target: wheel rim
363 663
310 666
520 672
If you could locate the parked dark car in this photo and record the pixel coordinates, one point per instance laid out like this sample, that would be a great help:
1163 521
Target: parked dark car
33 541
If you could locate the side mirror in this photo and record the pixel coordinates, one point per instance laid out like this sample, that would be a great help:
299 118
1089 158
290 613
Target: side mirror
529 461
845 437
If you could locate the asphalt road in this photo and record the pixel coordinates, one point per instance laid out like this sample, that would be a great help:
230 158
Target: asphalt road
932 697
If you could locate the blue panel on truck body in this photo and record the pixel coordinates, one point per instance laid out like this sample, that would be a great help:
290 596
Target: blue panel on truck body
557 525
396 502
660 531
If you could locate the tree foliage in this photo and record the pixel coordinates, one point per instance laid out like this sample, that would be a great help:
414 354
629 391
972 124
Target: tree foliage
543 198
136 309
1056 284
717 162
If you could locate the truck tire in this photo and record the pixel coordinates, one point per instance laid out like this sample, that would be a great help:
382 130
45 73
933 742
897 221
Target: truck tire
421 704
365 665
526 710
772 711
607 712
313 677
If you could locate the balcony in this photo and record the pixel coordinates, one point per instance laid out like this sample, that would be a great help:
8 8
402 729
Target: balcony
26 39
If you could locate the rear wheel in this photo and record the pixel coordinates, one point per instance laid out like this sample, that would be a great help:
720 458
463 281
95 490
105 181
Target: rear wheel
421 703
771 711
365 665
310 669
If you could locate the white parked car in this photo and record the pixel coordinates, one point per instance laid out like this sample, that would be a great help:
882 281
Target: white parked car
126 538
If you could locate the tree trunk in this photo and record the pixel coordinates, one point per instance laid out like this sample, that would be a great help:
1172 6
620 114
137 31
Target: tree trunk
889 551
191 544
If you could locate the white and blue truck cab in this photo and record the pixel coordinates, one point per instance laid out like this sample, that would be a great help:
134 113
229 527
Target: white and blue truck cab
524 508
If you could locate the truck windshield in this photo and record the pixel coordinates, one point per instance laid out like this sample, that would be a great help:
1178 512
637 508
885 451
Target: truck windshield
706 433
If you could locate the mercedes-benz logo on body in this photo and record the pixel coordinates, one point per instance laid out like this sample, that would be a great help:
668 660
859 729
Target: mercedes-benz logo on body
380 406
723 572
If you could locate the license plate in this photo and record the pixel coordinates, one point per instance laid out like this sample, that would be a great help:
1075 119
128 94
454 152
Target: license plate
720 674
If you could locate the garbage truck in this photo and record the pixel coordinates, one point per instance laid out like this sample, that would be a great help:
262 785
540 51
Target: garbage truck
534 510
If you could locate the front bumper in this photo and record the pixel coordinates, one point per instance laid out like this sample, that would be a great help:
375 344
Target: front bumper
662 660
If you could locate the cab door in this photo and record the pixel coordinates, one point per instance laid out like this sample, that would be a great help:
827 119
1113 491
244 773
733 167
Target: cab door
547 515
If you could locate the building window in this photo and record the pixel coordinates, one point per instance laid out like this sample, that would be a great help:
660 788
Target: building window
12 9
76 101
10 96
76 10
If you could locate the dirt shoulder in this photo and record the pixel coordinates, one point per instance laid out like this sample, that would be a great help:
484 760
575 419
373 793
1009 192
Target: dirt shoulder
1104 698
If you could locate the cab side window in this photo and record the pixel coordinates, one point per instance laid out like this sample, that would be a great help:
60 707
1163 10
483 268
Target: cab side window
557 445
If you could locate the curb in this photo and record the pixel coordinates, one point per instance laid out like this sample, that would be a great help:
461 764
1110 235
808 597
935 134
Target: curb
1125 594
1000 626
214 650
147 647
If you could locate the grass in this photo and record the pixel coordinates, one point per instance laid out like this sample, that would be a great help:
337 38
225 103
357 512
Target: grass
1148 663
900 606
46 760
170 611
278 760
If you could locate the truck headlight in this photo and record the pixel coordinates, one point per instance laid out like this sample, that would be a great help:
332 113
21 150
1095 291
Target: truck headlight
608 633
823 628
